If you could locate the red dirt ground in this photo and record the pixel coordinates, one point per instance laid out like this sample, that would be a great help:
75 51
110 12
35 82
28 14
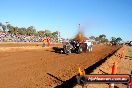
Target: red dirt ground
37 68
123 64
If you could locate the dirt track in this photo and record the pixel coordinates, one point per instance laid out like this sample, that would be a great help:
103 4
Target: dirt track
123 63
43 68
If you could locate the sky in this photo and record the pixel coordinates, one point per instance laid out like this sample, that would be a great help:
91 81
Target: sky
110 17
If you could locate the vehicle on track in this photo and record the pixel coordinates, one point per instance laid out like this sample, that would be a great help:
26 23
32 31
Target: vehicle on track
67 48
74 47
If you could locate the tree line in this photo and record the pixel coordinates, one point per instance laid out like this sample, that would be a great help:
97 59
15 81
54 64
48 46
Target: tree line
102 39
28 31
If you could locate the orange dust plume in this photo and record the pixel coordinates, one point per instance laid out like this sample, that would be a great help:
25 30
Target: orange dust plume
80 37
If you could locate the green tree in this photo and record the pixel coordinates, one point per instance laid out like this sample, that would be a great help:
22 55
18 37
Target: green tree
15 30
102 38
118 39
113 38
11 28
106 40
97 39
23 30
41 33
48 33
55 34
92 37
1 26
30 30
4 28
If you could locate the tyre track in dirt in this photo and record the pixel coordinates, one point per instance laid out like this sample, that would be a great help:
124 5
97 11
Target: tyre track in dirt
41 68
73 81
